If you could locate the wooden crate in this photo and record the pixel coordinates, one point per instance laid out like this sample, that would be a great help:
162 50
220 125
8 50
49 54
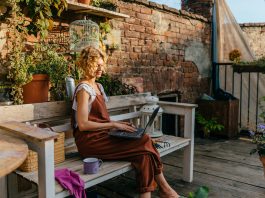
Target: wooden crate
226 113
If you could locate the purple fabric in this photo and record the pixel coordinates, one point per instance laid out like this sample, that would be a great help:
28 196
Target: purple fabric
71 181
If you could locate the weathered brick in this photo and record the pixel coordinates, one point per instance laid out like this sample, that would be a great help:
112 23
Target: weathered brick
131 13
141 42
145 49
143 16
131 34
133 55
149 30
137 28
147 23
134 41
125 40
112 61
136 8
137 49
146 10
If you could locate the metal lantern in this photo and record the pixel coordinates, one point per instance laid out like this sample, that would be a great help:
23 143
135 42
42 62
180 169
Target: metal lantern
83 33
156 128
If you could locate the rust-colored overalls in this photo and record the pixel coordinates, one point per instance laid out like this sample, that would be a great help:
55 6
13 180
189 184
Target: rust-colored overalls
140 152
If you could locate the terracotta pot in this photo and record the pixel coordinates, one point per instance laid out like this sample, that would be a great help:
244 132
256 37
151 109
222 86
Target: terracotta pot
37 90
262 159
84 1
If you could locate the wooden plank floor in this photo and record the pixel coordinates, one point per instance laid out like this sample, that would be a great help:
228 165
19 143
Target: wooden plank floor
224 166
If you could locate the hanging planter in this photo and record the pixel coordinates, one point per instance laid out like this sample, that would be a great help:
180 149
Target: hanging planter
37 90
248 68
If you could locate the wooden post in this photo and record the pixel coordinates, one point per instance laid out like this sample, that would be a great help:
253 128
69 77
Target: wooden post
46 169
12 185
189 121
3 187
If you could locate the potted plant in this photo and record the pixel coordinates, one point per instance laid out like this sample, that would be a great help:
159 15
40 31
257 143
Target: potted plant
208 125
258 138
48 71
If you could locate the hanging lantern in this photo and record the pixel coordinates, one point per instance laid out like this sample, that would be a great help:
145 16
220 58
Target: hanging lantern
156 128
83 33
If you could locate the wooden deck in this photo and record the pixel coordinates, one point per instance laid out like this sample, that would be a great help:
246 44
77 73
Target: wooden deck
224 166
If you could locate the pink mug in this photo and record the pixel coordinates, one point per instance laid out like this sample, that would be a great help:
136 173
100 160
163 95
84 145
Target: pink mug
92 165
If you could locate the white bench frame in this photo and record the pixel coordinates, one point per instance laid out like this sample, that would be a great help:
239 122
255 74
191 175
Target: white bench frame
45 147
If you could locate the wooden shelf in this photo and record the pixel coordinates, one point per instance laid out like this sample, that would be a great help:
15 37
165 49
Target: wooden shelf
83 8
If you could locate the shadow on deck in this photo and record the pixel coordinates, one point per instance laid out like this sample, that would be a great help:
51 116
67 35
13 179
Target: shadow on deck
224 166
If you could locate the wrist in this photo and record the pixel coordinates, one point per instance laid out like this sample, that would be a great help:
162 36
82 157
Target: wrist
113 124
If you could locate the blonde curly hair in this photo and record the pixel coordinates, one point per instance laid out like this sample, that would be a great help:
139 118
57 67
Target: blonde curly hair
88 61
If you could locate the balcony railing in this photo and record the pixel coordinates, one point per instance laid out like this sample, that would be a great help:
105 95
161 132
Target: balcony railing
247 83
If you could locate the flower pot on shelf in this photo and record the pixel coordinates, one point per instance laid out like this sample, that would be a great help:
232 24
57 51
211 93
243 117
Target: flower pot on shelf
84 1
37 90
262 159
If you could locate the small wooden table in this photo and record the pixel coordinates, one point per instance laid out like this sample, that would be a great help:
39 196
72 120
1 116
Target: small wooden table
13 152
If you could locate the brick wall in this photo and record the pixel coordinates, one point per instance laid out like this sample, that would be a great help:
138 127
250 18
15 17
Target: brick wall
255 34
154 44
167 48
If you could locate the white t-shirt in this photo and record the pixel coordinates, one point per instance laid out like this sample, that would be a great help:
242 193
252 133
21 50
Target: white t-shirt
91 91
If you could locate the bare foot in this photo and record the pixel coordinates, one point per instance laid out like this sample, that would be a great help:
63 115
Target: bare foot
169 194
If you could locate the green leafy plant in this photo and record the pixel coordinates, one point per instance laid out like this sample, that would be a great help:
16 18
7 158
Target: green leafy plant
258 63
104 29
107 4
258 133
24 17
48 61
114 86
208 125
258 138
202 192
5 90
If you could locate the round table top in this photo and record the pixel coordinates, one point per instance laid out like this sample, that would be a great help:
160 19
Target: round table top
13 152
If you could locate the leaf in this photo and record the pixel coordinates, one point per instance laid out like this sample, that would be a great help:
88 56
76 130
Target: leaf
191 195
202 192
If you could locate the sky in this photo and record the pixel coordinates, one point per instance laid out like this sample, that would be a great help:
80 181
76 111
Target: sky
245 11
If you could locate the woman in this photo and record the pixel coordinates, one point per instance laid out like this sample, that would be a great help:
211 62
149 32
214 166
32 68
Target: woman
93 124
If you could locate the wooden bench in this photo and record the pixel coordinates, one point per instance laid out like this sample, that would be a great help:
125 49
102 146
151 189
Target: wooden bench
56 114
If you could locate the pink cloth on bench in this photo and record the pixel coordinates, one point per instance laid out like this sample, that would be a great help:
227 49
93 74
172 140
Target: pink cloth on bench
71 181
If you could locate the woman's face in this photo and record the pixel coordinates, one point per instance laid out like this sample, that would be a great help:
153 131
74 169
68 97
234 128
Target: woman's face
99 70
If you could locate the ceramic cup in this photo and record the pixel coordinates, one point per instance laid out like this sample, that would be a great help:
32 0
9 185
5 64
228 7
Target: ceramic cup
91 165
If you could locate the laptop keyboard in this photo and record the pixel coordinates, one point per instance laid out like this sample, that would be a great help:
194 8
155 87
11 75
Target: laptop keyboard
139 133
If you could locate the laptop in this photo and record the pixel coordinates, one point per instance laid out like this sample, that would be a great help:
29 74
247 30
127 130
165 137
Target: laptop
140 131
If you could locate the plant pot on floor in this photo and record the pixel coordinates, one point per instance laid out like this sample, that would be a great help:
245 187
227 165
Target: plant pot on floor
262 159
37 90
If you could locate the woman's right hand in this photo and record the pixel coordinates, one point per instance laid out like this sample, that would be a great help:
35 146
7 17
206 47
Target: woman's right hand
124 126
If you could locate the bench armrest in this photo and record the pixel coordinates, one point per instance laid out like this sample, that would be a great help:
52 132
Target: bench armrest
177 108
27 132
